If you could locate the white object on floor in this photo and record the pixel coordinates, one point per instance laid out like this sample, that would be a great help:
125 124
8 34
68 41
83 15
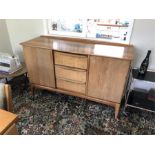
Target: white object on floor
8 63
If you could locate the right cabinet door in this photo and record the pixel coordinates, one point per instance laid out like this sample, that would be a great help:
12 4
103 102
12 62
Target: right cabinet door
107 78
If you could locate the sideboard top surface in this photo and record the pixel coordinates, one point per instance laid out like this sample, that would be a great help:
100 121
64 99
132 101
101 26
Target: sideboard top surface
71 46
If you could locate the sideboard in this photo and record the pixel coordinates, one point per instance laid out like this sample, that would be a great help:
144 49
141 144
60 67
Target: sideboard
94 71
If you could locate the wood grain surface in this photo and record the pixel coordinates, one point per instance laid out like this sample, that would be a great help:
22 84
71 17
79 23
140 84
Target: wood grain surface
7 119
76 46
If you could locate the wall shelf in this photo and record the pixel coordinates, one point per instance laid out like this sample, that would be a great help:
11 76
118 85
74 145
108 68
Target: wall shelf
112 25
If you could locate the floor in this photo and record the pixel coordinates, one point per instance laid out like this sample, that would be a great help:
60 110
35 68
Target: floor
57 114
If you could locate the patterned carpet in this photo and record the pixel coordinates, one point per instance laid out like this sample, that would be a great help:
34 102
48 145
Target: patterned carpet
57 114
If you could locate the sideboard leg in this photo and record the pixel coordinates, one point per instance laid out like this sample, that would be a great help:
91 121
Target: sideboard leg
6 80
117 108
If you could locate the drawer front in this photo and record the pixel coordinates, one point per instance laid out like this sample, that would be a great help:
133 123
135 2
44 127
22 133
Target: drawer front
71 86
70 73
71 60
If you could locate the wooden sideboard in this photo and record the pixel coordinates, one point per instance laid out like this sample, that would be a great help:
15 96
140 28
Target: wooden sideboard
93 71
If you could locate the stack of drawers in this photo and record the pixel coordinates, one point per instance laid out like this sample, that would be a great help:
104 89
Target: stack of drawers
71 71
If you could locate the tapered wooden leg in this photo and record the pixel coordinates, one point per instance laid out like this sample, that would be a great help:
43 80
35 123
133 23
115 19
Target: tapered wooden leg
26 80
6 80
117 108
8 94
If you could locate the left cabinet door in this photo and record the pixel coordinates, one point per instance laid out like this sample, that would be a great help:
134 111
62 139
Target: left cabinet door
40 67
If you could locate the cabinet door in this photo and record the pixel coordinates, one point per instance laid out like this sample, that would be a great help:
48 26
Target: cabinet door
39 63
107 78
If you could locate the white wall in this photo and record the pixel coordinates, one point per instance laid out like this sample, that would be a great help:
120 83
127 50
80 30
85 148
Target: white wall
143 39
5 45
22 30
143 36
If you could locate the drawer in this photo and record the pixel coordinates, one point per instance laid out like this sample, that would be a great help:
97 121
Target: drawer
71 86
69 73
71 60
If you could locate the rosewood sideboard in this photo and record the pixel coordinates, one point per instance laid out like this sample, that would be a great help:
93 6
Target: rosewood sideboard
94 71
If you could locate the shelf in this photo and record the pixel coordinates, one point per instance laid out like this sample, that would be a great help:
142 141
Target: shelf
150 76
140 91
136 107
112 25
139 100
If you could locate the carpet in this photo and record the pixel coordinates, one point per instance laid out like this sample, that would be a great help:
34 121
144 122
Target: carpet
53 113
